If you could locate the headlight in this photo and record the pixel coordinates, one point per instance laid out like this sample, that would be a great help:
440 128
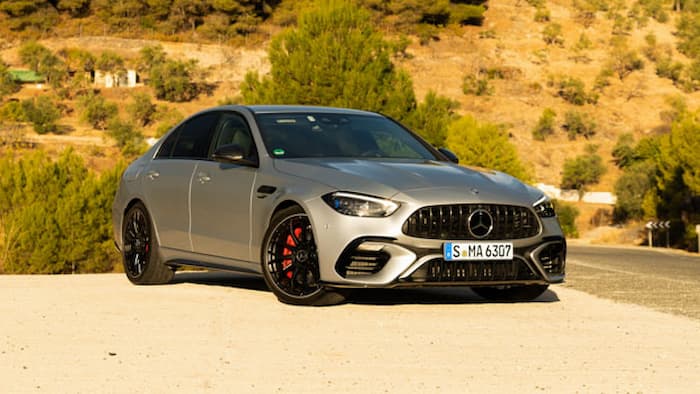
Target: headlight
544 208
360 205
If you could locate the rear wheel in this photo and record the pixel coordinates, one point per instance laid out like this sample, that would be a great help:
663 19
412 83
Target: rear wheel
511 293
290 261
142 264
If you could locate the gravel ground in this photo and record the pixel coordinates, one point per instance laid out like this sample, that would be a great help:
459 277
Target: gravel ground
226 333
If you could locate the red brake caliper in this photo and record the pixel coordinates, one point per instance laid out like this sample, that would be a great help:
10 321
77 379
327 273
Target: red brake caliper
288 253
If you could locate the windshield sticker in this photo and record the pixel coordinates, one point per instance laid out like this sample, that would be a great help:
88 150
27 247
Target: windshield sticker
278 152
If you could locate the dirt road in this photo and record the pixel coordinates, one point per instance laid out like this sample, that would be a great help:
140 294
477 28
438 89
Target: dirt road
225 333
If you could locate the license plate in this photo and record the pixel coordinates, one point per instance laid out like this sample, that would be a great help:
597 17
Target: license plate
455 251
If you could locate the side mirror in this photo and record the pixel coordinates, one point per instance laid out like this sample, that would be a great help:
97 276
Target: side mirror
449 155
233 154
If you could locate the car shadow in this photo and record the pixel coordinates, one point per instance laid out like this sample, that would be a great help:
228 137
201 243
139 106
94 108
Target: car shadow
221 278
441 295
445 295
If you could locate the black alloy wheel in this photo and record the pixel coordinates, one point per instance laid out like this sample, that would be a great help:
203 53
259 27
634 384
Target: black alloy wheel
290 261
140 249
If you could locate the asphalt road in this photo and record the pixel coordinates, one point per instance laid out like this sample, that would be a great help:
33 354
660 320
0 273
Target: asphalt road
662 279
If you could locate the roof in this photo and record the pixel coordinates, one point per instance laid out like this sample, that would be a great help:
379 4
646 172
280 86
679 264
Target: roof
271 109
27 76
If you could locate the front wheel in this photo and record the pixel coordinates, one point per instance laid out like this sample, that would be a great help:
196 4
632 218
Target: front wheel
290 261
511 293
142 264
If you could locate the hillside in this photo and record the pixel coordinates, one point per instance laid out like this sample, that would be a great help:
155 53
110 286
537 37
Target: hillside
507 51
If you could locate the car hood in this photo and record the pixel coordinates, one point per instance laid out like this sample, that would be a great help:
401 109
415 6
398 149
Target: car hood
389 178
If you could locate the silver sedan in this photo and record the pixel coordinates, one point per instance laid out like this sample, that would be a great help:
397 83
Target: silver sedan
322 200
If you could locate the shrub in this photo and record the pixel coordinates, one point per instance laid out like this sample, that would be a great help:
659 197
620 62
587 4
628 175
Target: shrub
8 85
573 90
96 110
583 170
141 109
578 123
623 153
485 145
476 84
545 125
12 111
129 140
542 15
655 9
567 214
602 80
43 113
552 34
694 71
667 68
623 62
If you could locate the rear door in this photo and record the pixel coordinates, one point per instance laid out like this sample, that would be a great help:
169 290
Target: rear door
167 179
221 195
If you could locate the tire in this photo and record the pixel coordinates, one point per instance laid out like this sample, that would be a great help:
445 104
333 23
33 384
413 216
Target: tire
512 293
289 261
140 252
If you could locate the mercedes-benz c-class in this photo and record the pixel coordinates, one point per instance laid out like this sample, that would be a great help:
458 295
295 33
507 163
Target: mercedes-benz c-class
319 201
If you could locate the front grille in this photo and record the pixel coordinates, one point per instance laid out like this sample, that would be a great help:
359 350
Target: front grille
361 262
439 270
449 222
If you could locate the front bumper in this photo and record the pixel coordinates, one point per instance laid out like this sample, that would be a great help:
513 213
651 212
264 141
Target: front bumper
386 263
374 252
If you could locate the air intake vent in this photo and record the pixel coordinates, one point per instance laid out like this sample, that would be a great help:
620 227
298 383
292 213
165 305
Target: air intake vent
361 262
439 270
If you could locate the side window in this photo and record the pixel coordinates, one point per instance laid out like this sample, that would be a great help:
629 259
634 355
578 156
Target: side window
194 137
166 148
233 129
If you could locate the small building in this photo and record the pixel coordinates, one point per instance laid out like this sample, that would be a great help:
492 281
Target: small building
108 79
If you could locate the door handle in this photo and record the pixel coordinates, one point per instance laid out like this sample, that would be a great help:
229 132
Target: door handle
152 175
203 177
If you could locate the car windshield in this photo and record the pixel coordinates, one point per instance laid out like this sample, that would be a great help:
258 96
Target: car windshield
295 135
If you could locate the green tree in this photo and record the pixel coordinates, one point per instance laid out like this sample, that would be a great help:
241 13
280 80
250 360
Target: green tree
141 109
76 8
545 125
96 110
334 57
623 153
55 215
485 145
631 190
8 85
110 62
129 140
43 113
432 117
567 214
583 170
173 80
41 60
